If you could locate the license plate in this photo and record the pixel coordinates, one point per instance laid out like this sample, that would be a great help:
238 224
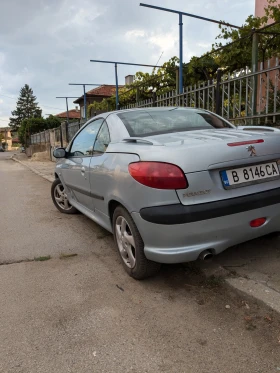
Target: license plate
251 174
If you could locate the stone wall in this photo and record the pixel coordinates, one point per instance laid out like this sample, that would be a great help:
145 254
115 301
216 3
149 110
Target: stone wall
41 151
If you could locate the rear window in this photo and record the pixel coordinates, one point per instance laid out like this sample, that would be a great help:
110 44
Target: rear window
156 122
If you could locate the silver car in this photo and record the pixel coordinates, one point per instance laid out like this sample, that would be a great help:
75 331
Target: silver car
172 184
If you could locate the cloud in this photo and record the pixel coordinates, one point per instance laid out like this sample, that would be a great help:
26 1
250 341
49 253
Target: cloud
48 43
205 45
131 34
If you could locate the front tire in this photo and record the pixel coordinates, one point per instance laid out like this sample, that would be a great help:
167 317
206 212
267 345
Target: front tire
60 199
131 246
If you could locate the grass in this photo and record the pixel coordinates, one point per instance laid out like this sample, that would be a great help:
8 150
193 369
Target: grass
42 258
66 256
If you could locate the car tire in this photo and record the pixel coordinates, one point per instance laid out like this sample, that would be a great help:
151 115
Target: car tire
60 200
131 246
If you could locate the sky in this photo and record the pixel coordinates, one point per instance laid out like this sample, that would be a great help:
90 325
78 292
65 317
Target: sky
49 43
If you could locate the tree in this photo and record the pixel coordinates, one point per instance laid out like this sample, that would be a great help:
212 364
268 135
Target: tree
229 57
160 81
34 125
52 122
200 69
26 108
239 54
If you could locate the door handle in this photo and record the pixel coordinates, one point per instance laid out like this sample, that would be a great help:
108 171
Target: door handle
83 171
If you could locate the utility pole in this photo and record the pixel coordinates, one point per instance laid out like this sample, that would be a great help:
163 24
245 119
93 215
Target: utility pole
116 63
181 14
67 111
117 87
67 123
85 95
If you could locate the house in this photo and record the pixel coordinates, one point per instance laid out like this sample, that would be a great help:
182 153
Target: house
259 8
273 76
72 114
96 95
6 138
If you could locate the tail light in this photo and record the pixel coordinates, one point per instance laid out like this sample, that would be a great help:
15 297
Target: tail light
158 175
257 222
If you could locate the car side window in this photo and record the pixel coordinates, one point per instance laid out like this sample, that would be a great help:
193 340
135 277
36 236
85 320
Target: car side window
82 145
102 140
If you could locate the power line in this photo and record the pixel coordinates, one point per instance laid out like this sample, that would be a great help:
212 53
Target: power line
51 107
13 98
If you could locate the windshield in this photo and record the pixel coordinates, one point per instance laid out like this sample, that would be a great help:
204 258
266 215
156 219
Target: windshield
156 122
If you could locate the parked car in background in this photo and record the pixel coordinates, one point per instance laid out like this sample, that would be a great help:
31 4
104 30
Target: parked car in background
22 149
2 149
172 184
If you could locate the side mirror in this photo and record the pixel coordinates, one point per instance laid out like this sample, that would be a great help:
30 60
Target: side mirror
59 153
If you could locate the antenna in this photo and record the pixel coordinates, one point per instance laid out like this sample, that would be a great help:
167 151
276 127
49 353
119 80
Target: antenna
159 58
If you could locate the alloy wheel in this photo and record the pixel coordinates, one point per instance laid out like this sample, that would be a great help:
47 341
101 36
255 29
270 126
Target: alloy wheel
61 198
125 241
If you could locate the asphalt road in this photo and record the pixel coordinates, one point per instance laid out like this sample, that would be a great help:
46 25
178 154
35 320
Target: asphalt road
84 314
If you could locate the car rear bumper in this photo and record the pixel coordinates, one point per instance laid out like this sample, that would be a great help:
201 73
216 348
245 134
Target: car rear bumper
180 214
176 243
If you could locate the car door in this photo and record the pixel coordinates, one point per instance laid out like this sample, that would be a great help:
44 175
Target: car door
99 172
75 171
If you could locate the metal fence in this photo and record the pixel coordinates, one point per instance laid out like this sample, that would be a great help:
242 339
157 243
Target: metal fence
243 97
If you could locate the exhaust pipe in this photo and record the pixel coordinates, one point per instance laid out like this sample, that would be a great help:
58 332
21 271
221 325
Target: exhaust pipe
205 255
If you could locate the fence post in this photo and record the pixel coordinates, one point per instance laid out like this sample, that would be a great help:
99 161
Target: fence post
218 92
137 95
61 137
254 70
177 81
154 99
66 132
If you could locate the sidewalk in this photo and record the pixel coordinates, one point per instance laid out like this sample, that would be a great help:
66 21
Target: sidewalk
252 268
43 168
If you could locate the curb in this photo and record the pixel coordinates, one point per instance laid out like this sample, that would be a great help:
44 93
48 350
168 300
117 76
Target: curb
254 289
260 291
48 178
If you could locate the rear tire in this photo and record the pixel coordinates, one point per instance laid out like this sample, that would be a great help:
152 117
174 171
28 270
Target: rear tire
60 199
131 246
